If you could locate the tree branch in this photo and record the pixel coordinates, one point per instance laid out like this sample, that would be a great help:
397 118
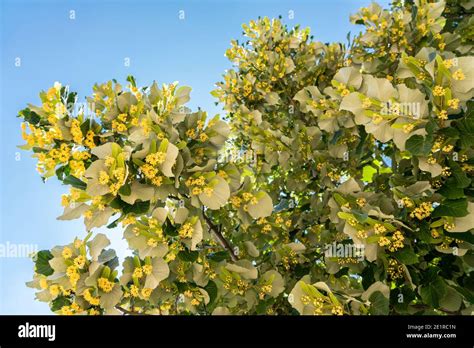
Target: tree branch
127 312
222 241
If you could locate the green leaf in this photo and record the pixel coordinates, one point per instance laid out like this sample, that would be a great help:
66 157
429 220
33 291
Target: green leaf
469 295
406 256
451 207
125 190
465 236
211 289
418 145
433 292
449 190
466 128
188 256
379 304
75 182
59 302
451 301
132 81
218 256
169 229
459 176
42 262
137 208
39 150
368 173
30 116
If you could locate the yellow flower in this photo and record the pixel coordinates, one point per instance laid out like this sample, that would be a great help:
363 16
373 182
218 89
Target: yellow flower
152 242
337 310
76 131
236 201
109 161
103 177
54 290
345 92
149 171
67 253
458 75
453 103
89 142
423 211
134 291
105 284
448 148
80 261
208 191
146 292
138 272
367 103
446 171
443 115
155 158
190 133
119 174
377 119
196 191
279 220
383 241
407 202
247 196
66 310
223 174
439 91
408 128
147 269
43 283
89 298
361 202
71 270
130 219
75 307
379 229
186 231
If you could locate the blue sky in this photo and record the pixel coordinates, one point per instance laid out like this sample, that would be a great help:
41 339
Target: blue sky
92 48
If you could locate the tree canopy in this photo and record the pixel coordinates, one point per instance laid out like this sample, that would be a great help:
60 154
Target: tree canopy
367 145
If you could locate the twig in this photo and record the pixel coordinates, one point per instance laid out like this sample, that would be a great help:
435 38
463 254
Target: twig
223 242
126 311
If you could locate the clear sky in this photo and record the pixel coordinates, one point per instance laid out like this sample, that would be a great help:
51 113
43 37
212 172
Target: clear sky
92 47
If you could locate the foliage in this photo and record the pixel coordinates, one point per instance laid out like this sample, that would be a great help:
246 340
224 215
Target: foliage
368 145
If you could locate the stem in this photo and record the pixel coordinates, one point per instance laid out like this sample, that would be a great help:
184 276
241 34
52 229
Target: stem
126 311
223 242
